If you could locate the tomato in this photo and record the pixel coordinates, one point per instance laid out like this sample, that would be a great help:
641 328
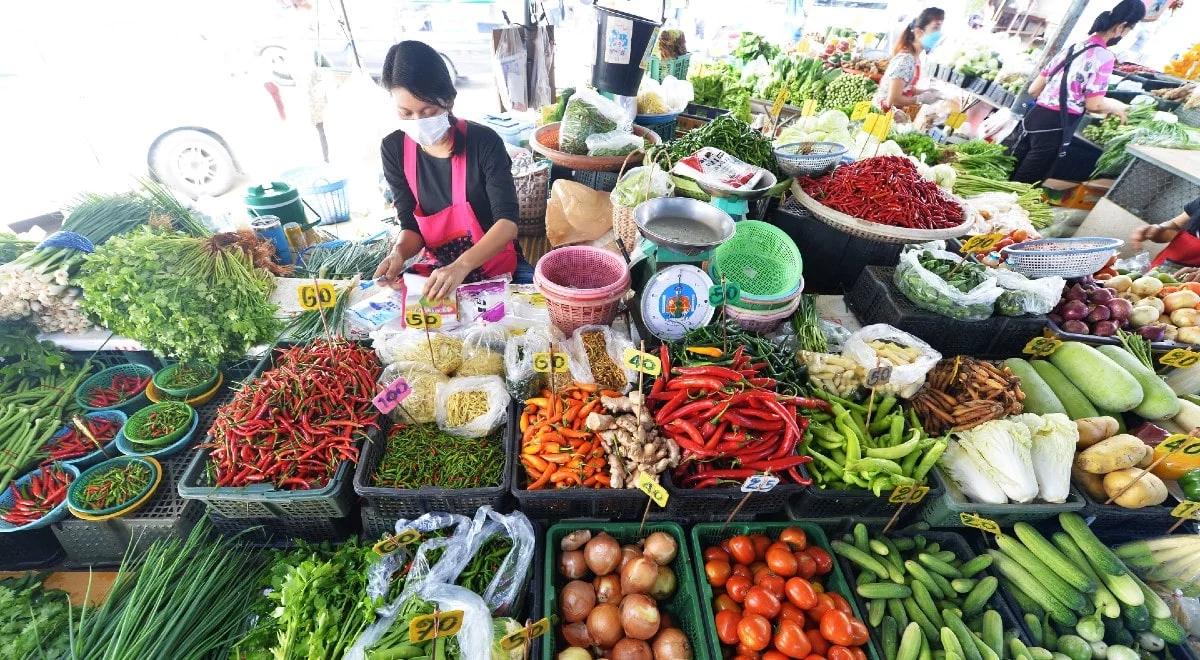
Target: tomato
858 632
716 553
761 601
724 602
727 625
800 593
774 655
717 572
771 582
742 570
758 567
841 604
835 627
795 537
789 612
744 652
725 546
782 561
741 549
754 632
814 656
822 558
790 639
839 653
819 644
824 604
805 566
859 654
737 586
761 543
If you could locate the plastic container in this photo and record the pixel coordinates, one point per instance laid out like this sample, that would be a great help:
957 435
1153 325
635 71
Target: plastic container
170 438
276 199
323 191
74 492
760 260
623 43
334 500
761 322
104 379
128 448
283 532
944 511
663 125
162 376
582 285
511 129
1151 520
676 66
52 516
110 448
707 534
1061 257
682 606
816 502
715 504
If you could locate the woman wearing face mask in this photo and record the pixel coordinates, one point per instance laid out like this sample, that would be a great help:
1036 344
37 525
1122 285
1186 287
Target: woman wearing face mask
897 88
451 179
1075 81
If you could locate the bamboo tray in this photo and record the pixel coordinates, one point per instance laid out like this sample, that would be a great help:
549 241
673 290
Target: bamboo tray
875 231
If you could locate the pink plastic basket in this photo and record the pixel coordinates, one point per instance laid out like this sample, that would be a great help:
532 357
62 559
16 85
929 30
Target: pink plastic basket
761 322
569 316
579 273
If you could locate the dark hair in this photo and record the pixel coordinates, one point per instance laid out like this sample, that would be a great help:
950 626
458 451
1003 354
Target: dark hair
417 67
1127 12
908 40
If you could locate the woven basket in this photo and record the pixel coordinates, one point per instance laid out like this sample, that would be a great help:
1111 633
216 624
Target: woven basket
545 142
533 189
1061 257
873 231
624 226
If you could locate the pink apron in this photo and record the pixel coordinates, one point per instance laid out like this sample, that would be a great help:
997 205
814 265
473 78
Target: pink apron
455 229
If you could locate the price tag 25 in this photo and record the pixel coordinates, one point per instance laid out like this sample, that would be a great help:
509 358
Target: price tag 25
392 395
1186 509
760 483
808 108
908 494
393 542
643 362
981 243
1180 358
1041 346
979 522
514 640
316 295
438 624
415 318
653 489
541 363
861 110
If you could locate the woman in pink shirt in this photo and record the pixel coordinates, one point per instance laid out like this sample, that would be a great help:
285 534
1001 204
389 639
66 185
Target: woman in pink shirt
1073 83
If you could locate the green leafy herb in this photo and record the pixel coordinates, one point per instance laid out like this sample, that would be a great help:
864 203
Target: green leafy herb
33 619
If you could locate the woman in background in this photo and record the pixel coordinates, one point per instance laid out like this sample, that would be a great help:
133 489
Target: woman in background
897 87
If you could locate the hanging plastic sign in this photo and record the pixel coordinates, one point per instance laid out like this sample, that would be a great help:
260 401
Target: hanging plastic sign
653 489
541 363
392 395
517 638
780 99
1186 509
643 362
438 624
415 318
316 295
956 119
860 111
978 522
760 483
1042 346
1180 358
808 108
981 243
908 494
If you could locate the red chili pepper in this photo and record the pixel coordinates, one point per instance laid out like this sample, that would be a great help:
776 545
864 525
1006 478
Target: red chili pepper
710 370
906 200
690 410
774 465
664 356
695 383
661 417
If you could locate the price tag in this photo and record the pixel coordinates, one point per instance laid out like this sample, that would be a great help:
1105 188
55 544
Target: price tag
1180 358
643 362
861 110
808 108
392 395
869 122
1186 509
1187 444
760 483
1042 346
392 542
974 520
879 375
537 300
415 318
647 485
438 624
316 295
956 119
908 494
982 243
541 363
877 126
513 640
777 104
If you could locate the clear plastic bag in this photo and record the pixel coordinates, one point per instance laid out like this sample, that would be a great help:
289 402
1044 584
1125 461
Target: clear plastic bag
473 406
379 575
519 376
586 357
613 143
588 113
1022 295
642 183
441 350
420 405
483 350
507 588
474 638
930 292
1138 263
905 379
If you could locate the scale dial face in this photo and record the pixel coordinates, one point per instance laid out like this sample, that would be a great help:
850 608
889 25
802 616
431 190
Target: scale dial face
675 300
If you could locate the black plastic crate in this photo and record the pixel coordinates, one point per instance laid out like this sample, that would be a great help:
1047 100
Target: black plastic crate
277 532
29 550
602 181
1106 518
703 111
833 259
816 502
715 504
664 129
956 78
980 86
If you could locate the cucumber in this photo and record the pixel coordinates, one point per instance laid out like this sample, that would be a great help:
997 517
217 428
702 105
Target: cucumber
1158 399
878 547
978 598
992 631
1158 608
1026 603
1169 629
1136 619
1049 635
1091 547
859 557
956 624
883 590
1101 380
1122 652
1039 397
938 566
1065 593
970 568
1076 404
918 617
1102 598
922 599
963 585
1034 625
860 537
985 651
1026 582
875 612
1075 647
1018 650
927 652
950 643
910 642
889 638
919 573
1115 633
1039 653
1053 559
895 608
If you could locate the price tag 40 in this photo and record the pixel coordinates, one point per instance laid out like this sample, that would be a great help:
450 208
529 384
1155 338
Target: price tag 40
653 489
908 494
979 522
981 243
541 363
392 395
643 362
316 295
760 483
1041 346
415 318
1180 358
438 624
514 640
1186 509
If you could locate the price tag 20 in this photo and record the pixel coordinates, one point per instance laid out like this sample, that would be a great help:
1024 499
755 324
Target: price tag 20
316 295
808 108
1041 346
541 363
393 542
653 489
1186 509
392 395
1180 358
908 494
514 640
643 362
956 120
760 483
415 318
981 243
438 624
979 522
861 110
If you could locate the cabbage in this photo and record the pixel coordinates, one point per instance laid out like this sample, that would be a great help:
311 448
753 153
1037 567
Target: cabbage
832 121
1054 437
1002 449
971 480
945 176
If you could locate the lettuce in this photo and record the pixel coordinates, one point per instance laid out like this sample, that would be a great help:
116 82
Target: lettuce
971 480
1054 438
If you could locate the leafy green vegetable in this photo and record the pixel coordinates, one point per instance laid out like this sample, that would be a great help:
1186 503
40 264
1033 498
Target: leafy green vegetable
25 359
752 46
1029 197
731 135
33 619
11 247
918 145
1171 135
980 158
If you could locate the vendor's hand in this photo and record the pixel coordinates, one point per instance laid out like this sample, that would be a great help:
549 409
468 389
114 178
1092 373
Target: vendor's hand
389 270
1152 233
444 281
1120 113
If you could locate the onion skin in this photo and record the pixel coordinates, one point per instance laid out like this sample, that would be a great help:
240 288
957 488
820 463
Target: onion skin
576 634
603 554
664 585
608 589
576 601
631 649
671 644
1077 327
629 553
604 625
571 565
575 540
639 616
661 548
638 576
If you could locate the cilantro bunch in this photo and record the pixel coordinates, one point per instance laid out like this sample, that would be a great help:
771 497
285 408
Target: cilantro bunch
33 620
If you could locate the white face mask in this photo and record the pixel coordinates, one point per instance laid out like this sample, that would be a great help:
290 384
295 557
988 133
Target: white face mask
426 131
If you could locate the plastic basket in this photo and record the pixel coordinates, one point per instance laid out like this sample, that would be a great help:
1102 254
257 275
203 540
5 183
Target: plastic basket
761 260
596 180
683 608
676 66
1061 257
163 374
283 532
104 379
33 549
715 504
74 491
663 125
334 500
155 396
109 450
128 448
764 321
808 158
324 192
52 516
817 502
708 534
533 190
944 511
582 285
1151 520
170 438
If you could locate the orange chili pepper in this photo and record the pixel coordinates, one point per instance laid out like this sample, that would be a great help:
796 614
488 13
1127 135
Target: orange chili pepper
534 447
610 393
534 462
562 476
557 459
572 433
587 387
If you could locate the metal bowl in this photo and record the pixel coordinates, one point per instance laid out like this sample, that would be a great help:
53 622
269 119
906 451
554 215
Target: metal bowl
765 184
696 226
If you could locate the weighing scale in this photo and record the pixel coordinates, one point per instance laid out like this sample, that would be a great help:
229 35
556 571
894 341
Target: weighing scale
737 203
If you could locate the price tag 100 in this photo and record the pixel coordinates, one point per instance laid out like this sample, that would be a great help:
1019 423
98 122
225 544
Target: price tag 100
516 639
1180 358
1186 509
861 110
541 363
316 295
978 522
415 318
653 489
808 108
392 395
438 624
981 243
643 362
908 494
760 483
1042 346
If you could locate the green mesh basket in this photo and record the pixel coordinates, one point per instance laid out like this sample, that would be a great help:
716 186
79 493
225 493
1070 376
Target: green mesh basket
164 375
105 378
150 444
761 261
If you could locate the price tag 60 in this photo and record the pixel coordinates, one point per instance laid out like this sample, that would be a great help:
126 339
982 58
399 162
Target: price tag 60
956 119
760 483
393 542
438 624
643 362
1041 346
541 363
415 318
808 108
1180 358
978 522
908 494
392 395
861 110
316 295
514 640
1186 509
981 243
652 488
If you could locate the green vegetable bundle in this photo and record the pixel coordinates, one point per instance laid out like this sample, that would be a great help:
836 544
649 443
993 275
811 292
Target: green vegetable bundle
918 145
1154 133
1029 197
33 620
31 414
341 260
182 296
980 158
752 46
11 247
731 135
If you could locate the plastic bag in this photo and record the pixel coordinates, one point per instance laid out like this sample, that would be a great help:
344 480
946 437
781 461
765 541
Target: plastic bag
504 593
423 379
905 378
929 291
642 183
471 407
598 348
483 350
1138 263
379 575
482 302
440 350
613 143
474 638
677 93
588 113
576 213
1022 295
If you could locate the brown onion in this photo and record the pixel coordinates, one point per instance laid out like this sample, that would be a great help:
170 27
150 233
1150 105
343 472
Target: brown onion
638 576
575 540
603 554
577 633
608 589
631 649
577 600
639 616
660 547
604 625
672 644
575 653
664 584
572 565
629 553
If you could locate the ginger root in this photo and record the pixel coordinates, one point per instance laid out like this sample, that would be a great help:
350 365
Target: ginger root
630 436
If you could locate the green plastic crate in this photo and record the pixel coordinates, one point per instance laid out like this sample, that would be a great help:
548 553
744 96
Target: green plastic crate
706 534
943 510
682 606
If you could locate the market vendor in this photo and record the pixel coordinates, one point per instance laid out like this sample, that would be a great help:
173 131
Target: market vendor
451 179
1181 234
1075 81
898 87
